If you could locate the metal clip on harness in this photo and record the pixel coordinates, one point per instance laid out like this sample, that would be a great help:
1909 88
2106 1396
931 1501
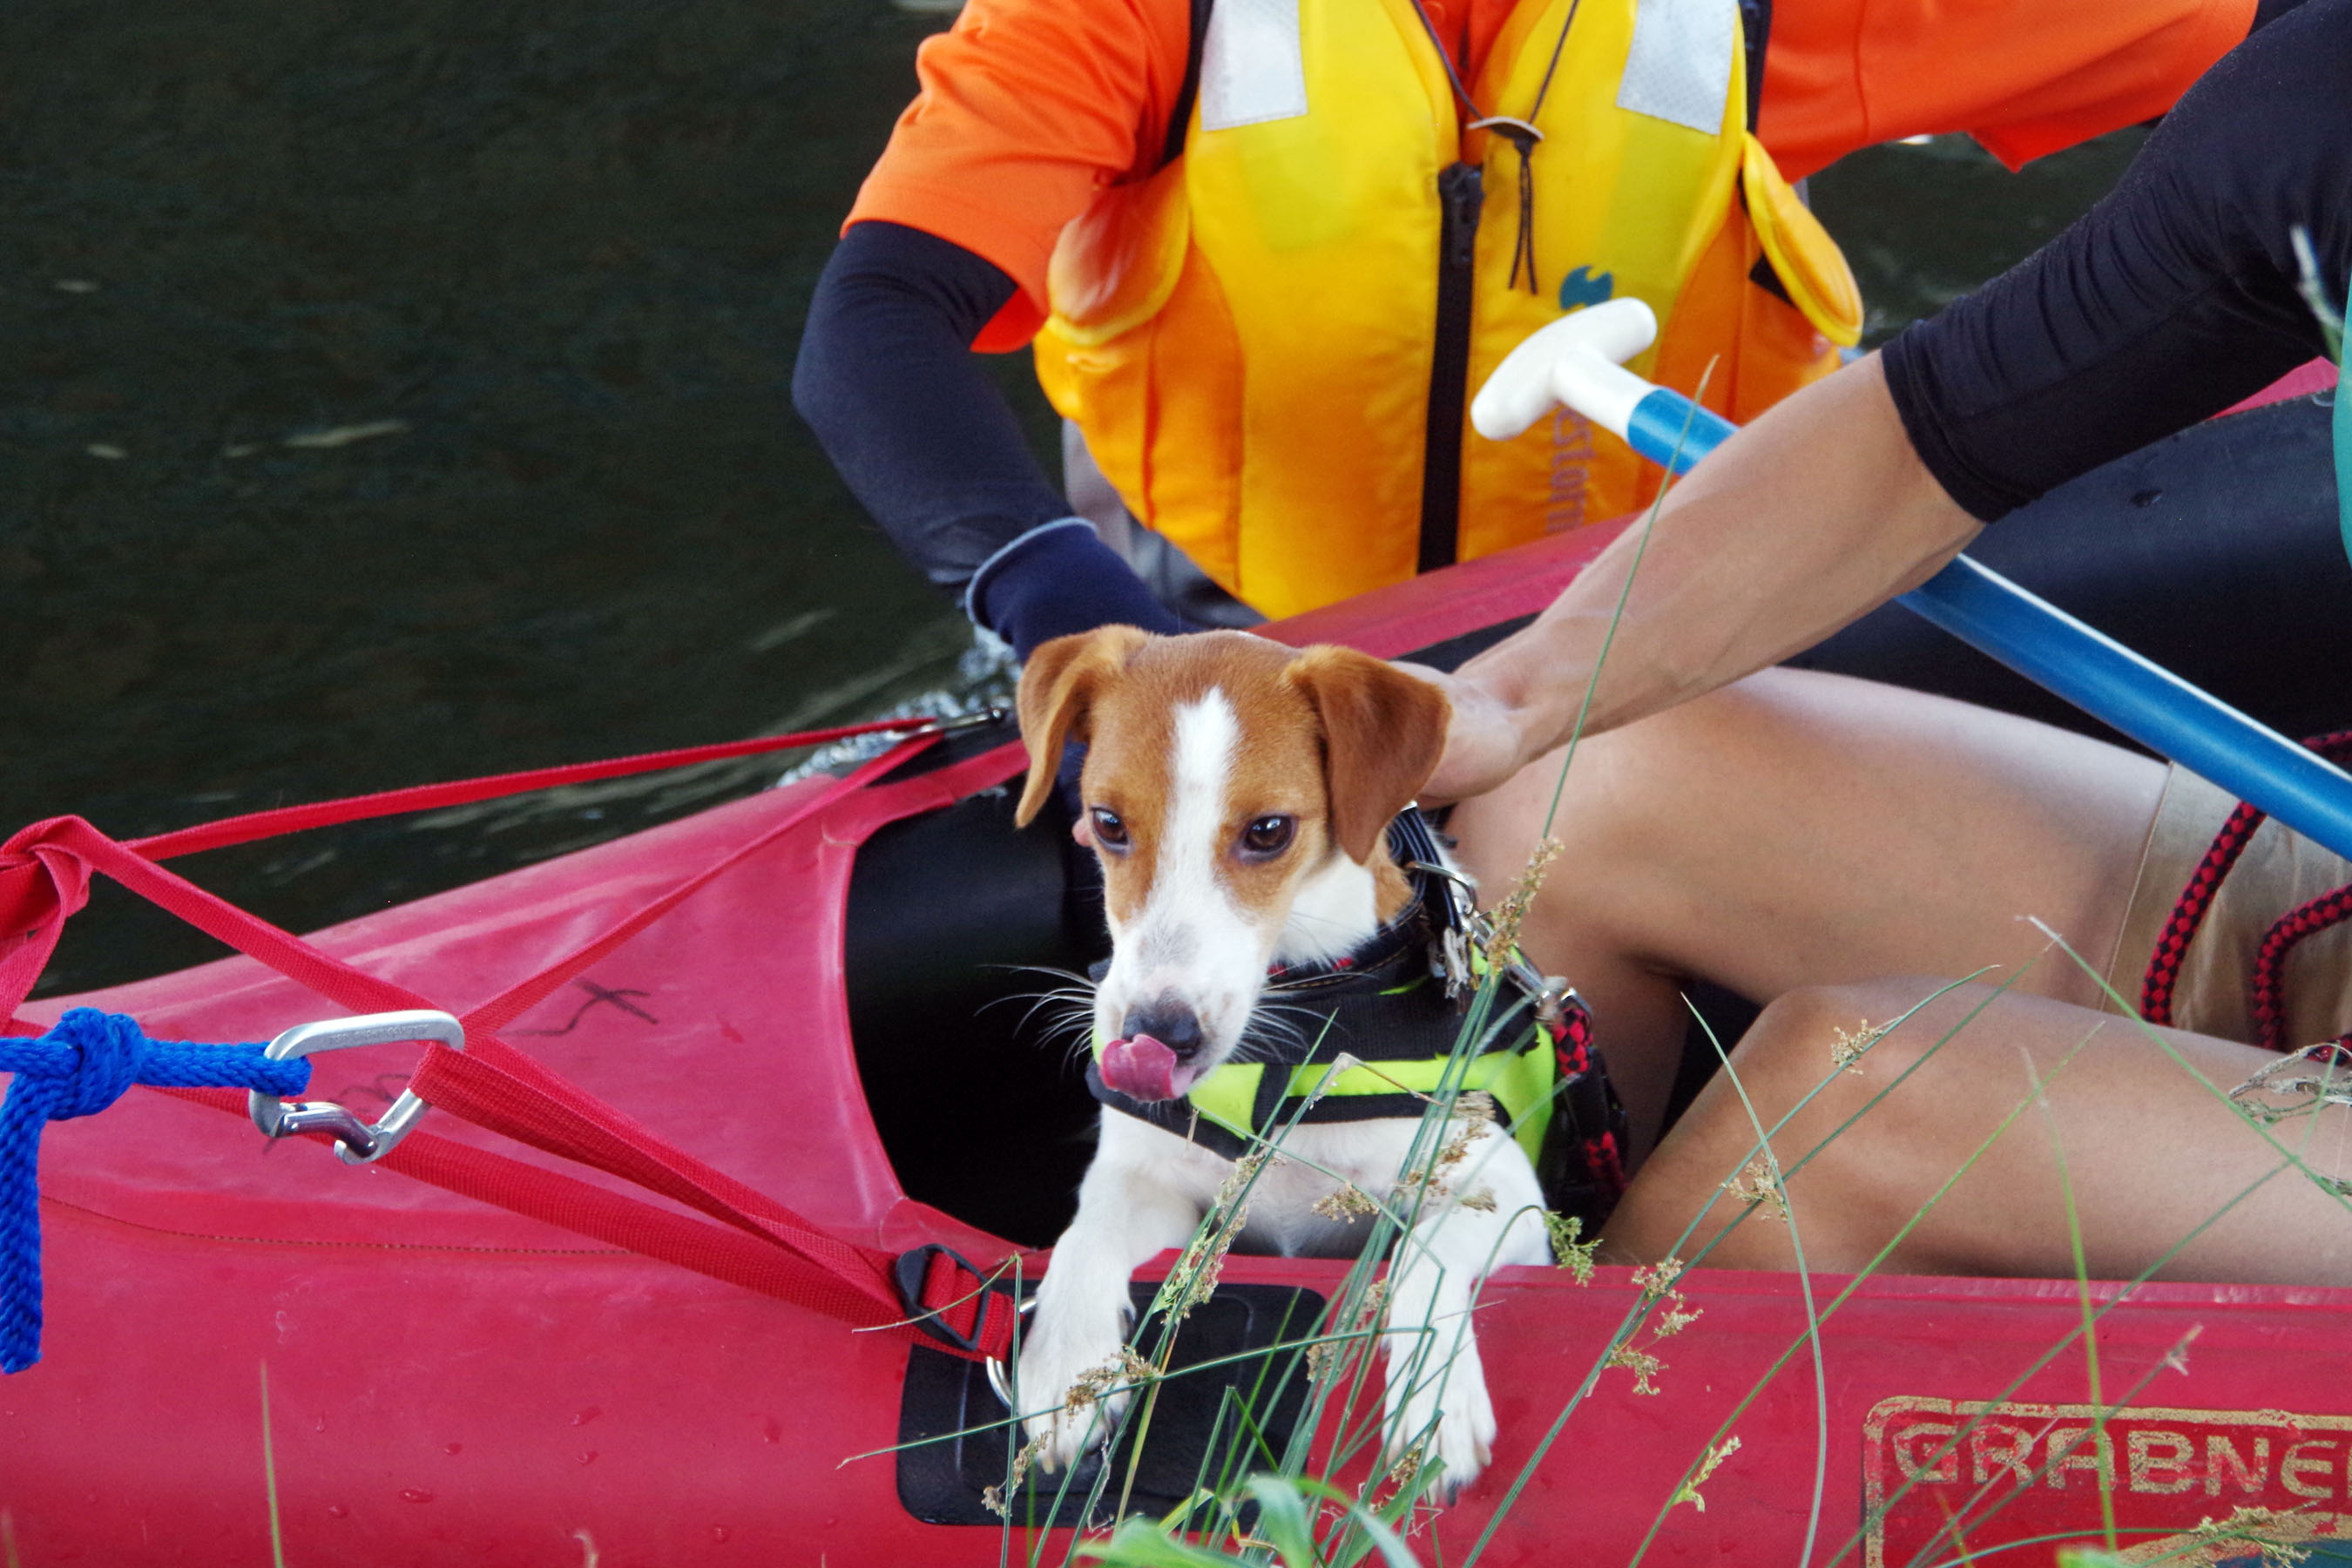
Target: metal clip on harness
1470 926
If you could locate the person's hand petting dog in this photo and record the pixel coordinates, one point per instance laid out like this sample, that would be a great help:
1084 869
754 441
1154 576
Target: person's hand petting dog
1482 739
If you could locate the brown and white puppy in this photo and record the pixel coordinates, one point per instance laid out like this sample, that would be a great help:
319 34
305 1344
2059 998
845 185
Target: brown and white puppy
1238 792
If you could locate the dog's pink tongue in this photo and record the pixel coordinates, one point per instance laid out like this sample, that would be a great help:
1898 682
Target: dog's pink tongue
1140 1068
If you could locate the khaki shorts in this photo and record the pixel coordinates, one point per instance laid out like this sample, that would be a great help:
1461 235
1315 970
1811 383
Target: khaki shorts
2280 870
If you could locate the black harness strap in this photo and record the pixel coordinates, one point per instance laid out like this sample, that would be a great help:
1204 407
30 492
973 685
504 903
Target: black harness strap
1756 33
1180 114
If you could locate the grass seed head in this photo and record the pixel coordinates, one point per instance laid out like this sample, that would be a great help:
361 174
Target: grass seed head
1322 1356
1658 1278
1568 1248
1097 1381
998 1500
1688 1491
1345 1202
1473 1112
1505 920
1757 1185
1195 1279
1334 1352
1641 1363
1674 1317
1847 1050
1232 1197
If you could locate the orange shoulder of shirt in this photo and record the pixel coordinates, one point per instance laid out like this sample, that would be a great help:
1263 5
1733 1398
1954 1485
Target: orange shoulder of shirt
1028 108
2023 77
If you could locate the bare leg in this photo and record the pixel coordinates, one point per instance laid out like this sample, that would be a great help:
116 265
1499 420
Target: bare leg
1800 829
2149 1152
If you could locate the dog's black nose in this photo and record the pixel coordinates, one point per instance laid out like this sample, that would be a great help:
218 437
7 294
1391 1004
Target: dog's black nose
1173 1024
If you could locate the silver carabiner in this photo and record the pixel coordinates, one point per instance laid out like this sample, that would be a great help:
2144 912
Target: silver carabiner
994 713
357 1141
994 1366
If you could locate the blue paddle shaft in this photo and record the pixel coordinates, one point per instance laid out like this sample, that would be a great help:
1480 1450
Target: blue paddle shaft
2079 663
1674 432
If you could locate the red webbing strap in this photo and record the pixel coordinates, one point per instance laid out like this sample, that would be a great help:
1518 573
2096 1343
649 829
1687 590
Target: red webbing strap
736 1256
492 1083
287 819
45 877
44 880
511 1003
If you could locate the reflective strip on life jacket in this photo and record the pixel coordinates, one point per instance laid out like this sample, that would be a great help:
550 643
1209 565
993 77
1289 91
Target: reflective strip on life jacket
1520 1075
1250 338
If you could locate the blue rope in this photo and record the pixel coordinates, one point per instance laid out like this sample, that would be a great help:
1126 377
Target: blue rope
79 1068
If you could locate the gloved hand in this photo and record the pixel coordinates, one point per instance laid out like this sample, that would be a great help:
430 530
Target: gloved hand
1058 579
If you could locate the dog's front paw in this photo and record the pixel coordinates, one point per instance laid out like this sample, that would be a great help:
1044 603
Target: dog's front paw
1438 1408
1074 1394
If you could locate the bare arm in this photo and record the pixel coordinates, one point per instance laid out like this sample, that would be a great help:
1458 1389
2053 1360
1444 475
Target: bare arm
1813 515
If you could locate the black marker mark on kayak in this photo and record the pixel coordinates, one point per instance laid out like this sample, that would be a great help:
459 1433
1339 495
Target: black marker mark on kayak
596 993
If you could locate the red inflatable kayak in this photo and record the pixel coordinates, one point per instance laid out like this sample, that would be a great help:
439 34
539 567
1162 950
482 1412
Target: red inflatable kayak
448 1380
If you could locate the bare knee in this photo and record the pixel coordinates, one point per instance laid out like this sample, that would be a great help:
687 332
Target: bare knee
1814 1052
1814 1059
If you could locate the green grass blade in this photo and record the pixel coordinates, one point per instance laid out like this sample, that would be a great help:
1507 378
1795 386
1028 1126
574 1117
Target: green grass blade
1805 1287
270 1477
2082 1293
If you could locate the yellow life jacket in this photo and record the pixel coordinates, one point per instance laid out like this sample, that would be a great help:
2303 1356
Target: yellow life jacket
1270 344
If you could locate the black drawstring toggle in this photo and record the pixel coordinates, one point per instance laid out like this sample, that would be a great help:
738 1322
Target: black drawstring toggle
1523 137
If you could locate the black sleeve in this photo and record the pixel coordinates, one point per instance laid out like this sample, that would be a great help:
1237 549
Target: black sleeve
886 379
2174 297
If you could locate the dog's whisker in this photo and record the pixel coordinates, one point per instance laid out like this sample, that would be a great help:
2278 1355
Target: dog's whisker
1064 1021
1265 1033
1058 974
1072 1021
1028 1013
1052 1004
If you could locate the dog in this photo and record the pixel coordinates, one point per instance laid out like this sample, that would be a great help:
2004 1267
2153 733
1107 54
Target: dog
1238 793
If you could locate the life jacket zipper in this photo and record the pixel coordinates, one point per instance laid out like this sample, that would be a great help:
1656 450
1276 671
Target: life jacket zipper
1461 193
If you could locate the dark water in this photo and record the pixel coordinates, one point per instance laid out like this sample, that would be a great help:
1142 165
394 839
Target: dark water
392 393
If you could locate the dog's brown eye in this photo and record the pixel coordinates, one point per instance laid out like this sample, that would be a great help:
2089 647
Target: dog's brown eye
1268 835
1109 831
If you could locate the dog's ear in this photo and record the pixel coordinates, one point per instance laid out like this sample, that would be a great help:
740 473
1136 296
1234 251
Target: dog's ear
1058 686
1384 731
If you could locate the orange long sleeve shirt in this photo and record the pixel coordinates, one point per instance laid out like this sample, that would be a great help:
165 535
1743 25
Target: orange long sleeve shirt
1028 107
